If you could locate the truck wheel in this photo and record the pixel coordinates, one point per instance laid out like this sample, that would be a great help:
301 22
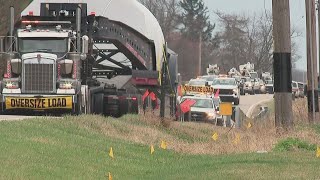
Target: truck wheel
98 103
236 101
123 106
242 92
134 107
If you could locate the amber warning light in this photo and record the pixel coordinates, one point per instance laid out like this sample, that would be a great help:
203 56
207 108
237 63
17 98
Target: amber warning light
45 22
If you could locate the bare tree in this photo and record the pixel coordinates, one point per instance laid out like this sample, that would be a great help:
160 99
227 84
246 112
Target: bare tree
249 39
166 12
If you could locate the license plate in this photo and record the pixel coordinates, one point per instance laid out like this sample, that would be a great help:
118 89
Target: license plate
39 103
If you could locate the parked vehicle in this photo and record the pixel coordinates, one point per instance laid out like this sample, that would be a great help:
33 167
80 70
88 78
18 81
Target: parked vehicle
204 109
301 89
209 78
269 86
228 89
262 87
295 90
247 86
256 85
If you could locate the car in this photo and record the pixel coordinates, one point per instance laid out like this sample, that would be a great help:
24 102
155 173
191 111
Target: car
256 85
295 90
301 89
209 78
247 86
262 87
204 109
269 86
228 89
197 82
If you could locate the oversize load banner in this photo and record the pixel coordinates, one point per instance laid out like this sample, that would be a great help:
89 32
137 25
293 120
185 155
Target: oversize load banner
198 89
39 103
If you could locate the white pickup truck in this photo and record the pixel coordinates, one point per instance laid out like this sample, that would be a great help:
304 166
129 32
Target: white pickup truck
205 108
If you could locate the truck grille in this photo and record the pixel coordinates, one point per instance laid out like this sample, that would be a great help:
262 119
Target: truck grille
196 116
224 91
38 78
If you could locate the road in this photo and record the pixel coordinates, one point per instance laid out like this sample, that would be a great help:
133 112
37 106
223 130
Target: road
248 102
14 117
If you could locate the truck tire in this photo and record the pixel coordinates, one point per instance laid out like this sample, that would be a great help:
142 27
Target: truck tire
77 107
134 107
123 106
236 101
98 103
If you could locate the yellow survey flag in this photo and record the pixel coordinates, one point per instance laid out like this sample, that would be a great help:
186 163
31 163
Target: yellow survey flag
249 125
318 152
111 153
109 176
151 149
163 145
236 139
215 136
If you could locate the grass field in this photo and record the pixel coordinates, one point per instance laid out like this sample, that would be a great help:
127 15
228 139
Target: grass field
78 147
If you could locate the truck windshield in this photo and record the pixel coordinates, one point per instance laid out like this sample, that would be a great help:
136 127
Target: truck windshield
50 45
197 83
201 103
231 82
254 75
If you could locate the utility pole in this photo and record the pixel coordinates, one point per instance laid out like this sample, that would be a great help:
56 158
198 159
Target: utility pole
318 8
282 64
200 52
312 88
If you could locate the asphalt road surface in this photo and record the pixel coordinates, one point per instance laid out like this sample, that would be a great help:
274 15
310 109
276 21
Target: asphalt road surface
14 117
249 102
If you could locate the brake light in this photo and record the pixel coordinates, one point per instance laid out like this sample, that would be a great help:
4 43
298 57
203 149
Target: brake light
134 98
30 13
93 13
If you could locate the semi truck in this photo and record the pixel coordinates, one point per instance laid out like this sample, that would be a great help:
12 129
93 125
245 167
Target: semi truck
55 62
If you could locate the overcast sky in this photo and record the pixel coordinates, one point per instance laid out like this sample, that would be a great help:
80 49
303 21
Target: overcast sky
249 7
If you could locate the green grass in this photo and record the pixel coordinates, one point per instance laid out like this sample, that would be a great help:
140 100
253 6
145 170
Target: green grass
291 144
66 149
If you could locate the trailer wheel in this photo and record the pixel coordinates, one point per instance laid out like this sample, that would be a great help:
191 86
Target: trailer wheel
123 106
98 103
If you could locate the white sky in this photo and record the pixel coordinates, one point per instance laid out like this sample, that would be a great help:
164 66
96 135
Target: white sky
249 7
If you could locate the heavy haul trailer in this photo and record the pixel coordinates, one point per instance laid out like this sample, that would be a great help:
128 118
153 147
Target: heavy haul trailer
51 62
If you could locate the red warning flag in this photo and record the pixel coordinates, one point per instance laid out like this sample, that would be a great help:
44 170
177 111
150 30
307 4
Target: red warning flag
153 96
217 93
186 105
145 95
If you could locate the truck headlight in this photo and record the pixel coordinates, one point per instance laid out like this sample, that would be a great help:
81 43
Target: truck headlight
66 85
235 91
211 115
12 85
